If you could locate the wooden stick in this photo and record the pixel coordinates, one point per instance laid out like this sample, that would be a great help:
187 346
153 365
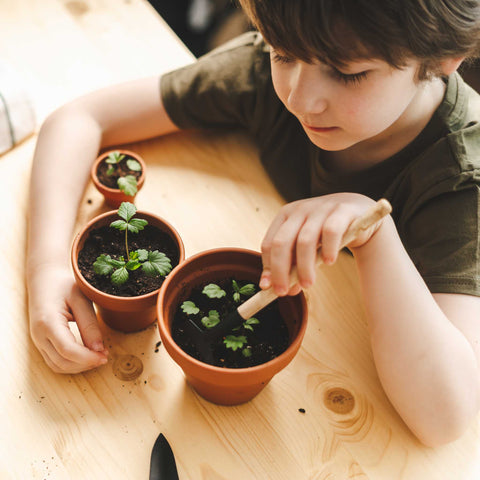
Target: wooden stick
262 298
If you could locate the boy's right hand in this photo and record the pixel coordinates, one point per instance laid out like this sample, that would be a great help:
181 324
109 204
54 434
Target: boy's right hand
54 300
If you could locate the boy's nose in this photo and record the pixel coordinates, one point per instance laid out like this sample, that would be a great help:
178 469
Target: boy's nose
308 93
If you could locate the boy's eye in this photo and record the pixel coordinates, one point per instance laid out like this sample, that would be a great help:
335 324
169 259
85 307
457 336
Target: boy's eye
277 58
349 78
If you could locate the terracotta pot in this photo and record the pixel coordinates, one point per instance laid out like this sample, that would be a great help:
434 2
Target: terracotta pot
114 196
225 386
127 314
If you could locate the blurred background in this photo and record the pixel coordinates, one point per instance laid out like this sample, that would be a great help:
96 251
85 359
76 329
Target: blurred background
203 24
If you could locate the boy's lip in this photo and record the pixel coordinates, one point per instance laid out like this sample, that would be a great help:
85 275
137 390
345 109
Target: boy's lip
319 129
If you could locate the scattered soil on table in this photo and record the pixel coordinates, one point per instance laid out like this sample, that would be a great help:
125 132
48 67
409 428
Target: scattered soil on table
111 241
268 339
121 170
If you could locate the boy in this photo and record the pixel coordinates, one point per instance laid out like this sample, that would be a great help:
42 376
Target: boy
349 101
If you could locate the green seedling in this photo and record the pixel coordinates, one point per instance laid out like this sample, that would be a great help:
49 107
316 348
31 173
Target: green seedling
213 291
247 290
128 183
234 343
152 263
212 319
189 308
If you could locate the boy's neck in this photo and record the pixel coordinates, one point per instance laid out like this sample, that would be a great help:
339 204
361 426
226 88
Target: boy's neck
395 138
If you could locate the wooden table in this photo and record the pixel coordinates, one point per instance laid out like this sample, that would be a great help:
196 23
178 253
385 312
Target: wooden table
212 188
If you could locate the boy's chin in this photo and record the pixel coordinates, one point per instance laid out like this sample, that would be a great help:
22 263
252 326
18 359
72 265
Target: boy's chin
330 144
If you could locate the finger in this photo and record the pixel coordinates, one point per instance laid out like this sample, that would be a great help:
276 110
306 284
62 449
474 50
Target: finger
281 255
295 289
334 227
87 322
66 352
306 249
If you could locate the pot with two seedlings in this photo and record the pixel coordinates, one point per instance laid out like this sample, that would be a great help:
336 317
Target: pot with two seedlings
120 260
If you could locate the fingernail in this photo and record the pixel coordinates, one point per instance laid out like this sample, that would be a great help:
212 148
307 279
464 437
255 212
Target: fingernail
265 281
103 361
98 347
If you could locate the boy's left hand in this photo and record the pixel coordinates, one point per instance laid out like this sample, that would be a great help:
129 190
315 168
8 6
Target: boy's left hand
300 228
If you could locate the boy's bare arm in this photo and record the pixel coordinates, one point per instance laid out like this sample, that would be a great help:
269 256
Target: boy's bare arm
426 347
68 142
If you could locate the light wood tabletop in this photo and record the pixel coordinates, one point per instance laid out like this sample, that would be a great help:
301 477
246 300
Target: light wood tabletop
324 417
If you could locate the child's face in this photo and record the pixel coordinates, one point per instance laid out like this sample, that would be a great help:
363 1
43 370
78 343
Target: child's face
339 109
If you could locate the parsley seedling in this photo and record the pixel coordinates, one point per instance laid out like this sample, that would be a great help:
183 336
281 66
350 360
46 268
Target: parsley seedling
152 263
128 183
247 290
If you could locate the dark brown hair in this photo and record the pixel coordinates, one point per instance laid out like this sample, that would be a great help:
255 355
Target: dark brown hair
339 31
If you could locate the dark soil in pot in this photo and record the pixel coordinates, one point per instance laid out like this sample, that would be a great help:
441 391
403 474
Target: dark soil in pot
265 340
112 242
121 170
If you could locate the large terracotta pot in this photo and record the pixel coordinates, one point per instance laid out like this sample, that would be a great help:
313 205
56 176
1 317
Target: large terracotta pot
127 314
225 386
114 196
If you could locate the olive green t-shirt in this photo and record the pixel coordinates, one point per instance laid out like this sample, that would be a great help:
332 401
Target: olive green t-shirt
432 184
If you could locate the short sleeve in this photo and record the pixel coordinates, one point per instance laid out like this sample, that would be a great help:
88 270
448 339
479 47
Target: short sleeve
442 238
221 89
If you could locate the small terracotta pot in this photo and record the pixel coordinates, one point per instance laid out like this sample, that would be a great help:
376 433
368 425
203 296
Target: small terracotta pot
127 314
114 196
225 386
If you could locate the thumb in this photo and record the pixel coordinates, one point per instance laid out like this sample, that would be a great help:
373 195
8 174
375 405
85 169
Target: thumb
84 315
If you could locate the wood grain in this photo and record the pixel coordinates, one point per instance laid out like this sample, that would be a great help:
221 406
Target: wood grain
98 425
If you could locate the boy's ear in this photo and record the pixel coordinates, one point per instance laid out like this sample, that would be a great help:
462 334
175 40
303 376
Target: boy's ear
451 65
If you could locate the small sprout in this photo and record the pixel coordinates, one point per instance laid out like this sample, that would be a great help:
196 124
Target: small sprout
247 352
115 157
212 319
247 324
189 307
213 291
247 290
234 343
128 183
153 263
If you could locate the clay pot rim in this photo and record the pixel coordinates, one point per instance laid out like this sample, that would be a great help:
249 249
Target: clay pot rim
291 350
90 224
101 157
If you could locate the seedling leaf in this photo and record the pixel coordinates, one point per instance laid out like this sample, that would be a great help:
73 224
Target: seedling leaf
137 224
142 255
234 343
119 276
115 157
103 265
189 307
213 291
127 210
119 224
133 165
128 185
212 319
157 264
248 289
